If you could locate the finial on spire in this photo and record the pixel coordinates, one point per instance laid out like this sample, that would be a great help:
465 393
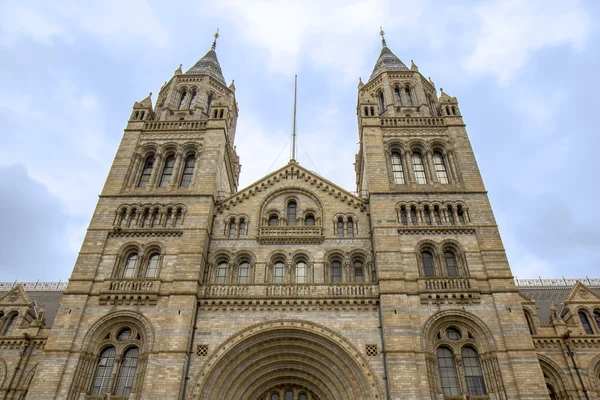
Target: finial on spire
214 45
382 33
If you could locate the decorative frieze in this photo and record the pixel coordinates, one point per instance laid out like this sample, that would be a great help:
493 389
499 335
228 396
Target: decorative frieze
290 235
130 292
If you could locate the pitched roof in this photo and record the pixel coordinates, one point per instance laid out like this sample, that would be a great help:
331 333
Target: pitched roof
48 294
208 65
387 61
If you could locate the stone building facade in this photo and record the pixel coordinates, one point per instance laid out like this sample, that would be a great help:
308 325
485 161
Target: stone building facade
294 288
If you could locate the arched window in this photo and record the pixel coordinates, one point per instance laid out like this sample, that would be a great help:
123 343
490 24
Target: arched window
273 220
440 167
419 168
336 271
597 318
448 373
122 217
413 215
103 372
10 325
278 272
529 323
182 99
301 272
147 171
403 216
381 102
350 227
188 170
132 218
154 220
366 111
178 216
152 270
372 111
451 265
436 215
473 372
127 370
222 272
428 266
586 323
169 217
340 227
302 397
427 215
130 266
289 395
124 334
451 215
397 170
209 103
194 93
291 213
167 171
244 272
309 220
242 230
461 214
145 218
409 101
274 396
232 228
359 271
552 392
397 95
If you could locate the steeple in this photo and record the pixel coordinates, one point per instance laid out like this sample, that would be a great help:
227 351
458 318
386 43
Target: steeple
387 60
209 64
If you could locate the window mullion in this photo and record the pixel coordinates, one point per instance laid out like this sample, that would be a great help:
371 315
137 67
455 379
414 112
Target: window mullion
115 373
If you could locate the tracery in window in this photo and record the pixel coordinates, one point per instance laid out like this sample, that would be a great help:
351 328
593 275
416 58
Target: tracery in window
124 334
278 272
473 372
397 169
291 213
127 371
585 322
103 372
222 272
336 271
301 272
419 168
440 167
350 227
244 272
167 171
188 170
448 373
453 334
428 266
146 171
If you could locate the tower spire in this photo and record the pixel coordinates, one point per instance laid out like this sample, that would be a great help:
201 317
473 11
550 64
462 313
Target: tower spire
294 124
214 45
382 33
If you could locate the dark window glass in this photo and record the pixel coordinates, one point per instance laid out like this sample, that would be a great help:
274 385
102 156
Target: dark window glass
167 171
10 325
440 167
397 169
408 98
428 267
178 217
381 102
130 264
453 334
289 395
124 334
340 227
597 318
447 371
274 396
242 231
278 272
397 95
127 372
291 213
155 219
586 323
427 214
473 373
461 214
103 371
169 217
132 218
350 227
301 272
147 171
359 271
451 216
188 170
222 273
436 215
122 217
403 216
413 216
194 93
273 220
152 269
209 103
419 168
552 392
182 99
451 265
336 272
309 220
302 397
244 273
232 228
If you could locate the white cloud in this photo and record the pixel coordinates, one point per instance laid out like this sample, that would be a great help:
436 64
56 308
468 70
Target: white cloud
511 30
21 21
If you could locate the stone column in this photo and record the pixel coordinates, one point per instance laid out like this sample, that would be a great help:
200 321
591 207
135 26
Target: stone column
429 169
410 171
176 168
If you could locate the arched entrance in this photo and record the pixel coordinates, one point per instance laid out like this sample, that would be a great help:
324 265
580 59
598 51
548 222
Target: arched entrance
287 355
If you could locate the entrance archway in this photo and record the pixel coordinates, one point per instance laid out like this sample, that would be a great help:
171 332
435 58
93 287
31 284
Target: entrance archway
295 354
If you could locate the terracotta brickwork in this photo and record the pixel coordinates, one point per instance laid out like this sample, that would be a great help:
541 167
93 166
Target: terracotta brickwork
188 288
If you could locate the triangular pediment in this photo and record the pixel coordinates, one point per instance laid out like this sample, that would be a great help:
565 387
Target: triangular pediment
15 297
284 177
582 294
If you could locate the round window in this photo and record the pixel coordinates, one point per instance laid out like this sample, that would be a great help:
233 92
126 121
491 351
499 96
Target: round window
453 334
124 334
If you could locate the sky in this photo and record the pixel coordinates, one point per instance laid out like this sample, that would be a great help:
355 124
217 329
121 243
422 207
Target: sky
525 73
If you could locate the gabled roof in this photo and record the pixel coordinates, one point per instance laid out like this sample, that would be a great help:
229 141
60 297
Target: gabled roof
16 296
289 172
208 65
387 61
582 294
